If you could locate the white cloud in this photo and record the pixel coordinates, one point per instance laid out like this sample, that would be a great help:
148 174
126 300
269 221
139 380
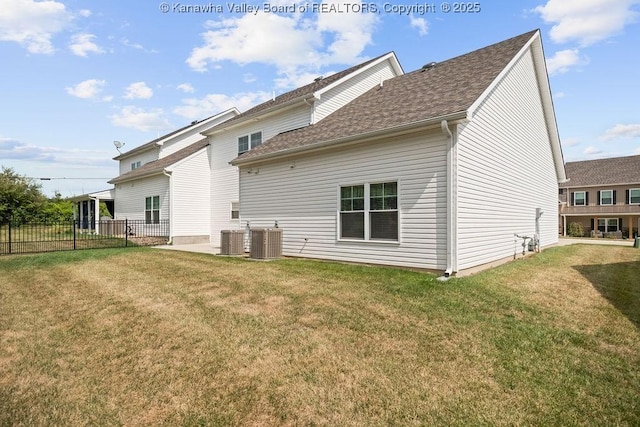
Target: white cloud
421 24
592 151
140 119
587 21
559 95
294 44
17 150
622 131
186 87
194 108
82 44
87 89
85 13
138 90
563 60
33 24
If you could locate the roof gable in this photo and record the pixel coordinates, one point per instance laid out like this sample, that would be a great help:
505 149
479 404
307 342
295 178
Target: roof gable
158 166
314 89
448 88
155 143
611 171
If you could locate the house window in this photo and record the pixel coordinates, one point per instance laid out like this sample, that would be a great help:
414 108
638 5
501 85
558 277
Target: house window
235 210
634 196
369 211
247 142
579 198
135 165
606 197
152 210
352 212
608 225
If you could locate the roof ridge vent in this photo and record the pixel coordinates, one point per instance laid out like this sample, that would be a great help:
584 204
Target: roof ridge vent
428 66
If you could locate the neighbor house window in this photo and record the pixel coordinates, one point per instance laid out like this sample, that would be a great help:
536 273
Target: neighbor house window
369 211
152 210
235 210
608 225
606 197
247 142
579 198
634 196
135 165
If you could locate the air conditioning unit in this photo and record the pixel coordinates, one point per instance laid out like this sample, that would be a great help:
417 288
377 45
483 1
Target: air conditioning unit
232 242
266 243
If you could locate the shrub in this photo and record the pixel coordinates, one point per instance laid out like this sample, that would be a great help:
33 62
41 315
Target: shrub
575 230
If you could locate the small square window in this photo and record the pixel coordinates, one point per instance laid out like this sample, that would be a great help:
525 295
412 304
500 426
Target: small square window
579 198
606 197
634 196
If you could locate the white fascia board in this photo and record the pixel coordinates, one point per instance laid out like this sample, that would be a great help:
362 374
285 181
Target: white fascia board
391 57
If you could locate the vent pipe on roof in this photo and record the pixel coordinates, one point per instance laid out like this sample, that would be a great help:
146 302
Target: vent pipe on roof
317 79
428 66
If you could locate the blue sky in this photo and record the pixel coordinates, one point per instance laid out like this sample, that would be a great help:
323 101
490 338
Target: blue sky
80 74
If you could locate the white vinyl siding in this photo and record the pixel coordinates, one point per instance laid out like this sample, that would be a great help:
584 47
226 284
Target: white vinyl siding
342 94
505 171
224 185
190 196
303 197
130 197
143 158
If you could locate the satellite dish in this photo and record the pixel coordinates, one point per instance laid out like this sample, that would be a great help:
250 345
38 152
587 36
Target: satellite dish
118 145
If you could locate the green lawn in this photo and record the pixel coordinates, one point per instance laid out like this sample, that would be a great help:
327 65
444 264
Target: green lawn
142 336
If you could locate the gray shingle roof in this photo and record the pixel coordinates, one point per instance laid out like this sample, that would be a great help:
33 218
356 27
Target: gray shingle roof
612 171
449 87
159 165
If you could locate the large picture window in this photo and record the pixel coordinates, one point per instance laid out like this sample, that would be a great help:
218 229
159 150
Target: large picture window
369 211
152 210
247 142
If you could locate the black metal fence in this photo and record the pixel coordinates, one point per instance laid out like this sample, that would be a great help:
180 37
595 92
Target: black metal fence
70 235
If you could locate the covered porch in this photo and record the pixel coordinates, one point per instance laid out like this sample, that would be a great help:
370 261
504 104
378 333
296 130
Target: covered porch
87 209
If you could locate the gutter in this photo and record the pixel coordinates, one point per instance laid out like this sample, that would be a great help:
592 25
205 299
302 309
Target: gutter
168 174
452 200
392 131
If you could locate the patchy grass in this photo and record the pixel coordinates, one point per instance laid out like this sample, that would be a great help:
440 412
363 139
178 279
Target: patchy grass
149 337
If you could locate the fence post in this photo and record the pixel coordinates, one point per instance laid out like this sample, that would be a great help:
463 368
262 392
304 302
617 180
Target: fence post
126 232
9 224
74 234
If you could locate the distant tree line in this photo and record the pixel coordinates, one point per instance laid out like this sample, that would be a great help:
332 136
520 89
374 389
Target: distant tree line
22 200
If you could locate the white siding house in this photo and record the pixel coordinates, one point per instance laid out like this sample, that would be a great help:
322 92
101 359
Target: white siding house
442 168
293 110
172 174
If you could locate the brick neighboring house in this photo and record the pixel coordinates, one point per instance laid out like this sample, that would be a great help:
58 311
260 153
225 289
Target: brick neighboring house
603 195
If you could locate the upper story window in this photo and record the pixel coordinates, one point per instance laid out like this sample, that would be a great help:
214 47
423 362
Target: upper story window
607 197
634 196
369 211
580 198
135 165
247 142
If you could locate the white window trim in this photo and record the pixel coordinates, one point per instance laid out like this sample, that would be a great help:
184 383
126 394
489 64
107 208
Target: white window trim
159 210
584 193
606 204
367 230
231 210
135 165
248 135
629 201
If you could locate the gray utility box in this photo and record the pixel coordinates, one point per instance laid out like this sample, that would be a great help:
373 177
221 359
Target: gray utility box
266 243
232 242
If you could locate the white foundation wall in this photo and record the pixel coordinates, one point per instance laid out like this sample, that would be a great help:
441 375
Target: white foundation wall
505 171
302 195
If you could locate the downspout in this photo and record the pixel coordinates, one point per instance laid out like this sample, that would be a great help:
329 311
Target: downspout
168 174
451 200
313 111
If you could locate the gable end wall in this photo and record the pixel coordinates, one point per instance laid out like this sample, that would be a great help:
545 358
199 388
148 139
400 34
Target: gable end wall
505 171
